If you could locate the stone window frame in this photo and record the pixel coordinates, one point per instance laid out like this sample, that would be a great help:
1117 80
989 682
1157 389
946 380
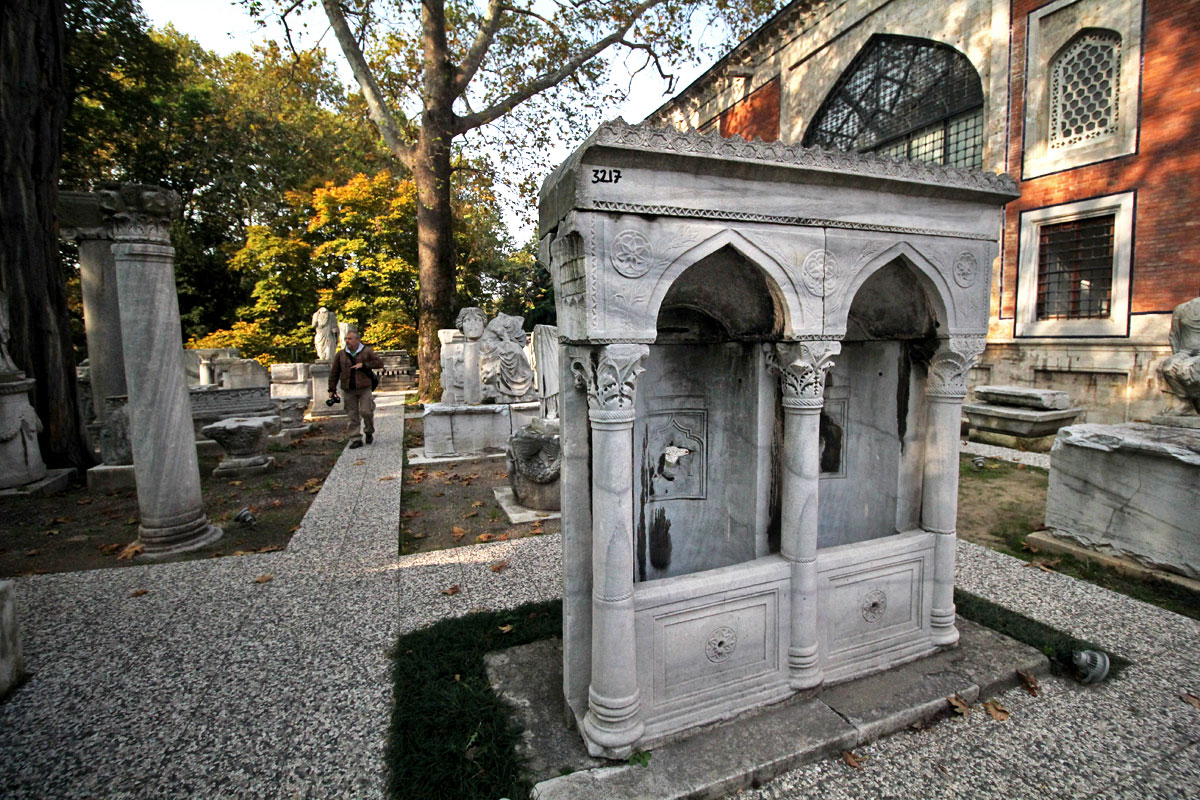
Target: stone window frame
1044 44
1122 206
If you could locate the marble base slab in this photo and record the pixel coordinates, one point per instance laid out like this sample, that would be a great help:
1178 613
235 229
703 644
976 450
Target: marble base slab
1017 421
453 429
53 482
1024 396
1129 490
518 513
111 477
415 457
1175 421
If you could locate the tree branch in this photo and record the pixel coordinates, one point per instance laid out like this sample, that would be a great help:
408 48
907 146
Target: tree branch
549 79
377 106
483 40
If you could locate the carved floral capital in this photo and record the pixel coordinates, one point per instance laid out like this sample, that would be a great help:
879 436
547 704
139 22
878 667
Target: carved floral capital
610 374
139 212
801 367
949 366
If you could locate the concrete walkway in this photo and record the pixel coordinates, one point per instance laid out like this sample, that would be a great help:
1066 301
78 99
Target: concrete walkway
212 685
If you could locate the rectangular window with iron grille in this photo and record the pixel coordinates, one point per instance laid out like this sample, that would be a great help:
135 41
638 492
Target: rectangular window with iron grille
1075 269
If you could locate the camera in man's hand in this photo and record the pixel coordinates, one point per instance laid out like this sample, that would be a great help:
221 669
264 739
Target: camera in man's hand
333 398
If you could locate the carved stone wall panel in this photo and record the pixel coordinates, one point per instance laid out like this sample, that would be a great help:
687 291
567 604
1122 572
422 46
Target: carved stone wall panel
677 454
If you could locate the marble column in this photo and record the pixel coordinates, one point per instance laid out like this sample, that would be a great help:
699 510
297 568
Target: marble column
609 375
164 448
472 384
802 367
81 221
945 388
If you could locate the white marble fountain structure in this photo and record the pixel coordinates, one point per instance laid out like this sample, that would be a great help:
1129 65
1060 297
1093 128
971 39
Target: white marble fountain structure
763 360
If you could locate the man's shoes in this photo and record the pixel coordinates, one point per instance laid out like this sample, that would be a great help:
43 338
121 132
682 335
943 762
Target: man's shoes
370 438
355 444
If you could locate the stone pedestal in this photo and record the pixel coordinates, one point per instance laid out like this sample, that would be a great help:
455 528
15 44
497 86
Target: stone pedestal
20 456
319 392
534 461
1129 490
12 664
291 381
244 440
162 437
454 429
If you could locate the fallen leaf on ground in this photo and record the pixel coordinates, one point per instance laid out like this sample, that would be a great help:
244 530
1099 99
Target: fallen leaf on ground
417 475
51 532
271 548
265 577
995 710
958 704
470 514
439 494
243 552
417 535
457 533
410 515
452 590
108 549
312 485
294 529
1030 682
1031 548
83 501
276 503
131 521
500 565
236 483
31 553
61 520
853 760
139 592
541 514
485 537
388 478
1190 699
477 504
1045 566
132 549
505 628
441 473
502 537
359 463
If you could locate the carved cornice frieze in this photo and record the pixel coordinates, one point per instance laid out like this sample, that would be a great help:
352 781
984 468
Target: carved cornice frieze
139 212
950 364
609 375
801 367
646 137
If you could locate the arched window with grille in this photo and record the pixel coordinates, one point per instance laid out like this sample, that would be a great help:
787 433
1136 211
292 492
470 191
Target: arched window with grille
1084 80
907 98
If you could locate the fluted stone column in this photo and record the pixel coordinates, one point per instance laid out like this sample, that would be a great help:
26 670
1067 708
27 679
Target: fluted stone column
945 388
802 367
81 221
612 727
164 447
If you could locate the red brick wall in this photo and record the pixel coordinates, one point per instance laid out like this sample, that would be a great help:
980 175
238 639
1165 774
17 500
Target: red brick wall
755 116
1165 170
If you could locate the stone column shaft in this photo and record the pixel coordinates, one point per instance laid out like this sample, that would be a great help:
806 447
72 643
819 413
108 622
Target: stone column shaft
946 386
472 385
611 727
802 369
162 437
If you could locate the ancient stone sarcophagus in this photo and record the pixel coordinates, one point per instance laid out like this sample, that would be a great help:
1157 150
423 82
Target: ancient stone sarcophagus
763 359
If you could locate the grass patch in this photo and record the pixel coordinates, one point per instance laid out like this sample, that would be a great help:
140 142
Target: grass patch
451 736
1055 644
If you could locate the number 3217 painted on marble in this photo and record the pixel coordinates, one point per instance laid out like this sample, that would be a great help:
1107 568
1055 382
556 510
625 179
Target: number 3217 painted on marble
606 175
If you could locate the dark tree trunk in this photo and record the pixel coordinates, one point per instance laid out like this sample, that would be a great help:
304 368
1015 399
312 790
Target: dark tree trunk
32 109
431 173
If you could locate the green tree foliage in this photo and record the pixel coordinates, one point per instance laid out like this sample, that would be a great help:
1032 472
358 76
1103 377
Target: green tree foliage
516 74
352 247
232 135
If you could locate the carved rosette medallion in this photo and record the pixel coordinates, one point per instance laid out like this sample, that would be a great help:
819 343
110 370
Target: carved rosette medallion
874 605
721 644
966 270
610 376
801 367
139 212
819 272
630 254
950 364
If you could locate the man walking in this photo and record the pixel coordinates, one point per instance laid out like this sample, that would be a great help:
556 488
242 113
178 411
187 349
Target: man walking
352 368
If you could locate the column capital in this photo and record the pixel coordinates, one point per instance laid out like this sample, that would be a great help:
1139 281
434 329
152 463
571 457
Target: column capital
609 374
139 212
801 367
949 366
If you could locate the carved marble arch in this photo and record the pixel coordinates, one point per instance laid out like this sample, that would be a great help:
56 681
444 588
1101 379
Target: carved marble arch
789 316
928 276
